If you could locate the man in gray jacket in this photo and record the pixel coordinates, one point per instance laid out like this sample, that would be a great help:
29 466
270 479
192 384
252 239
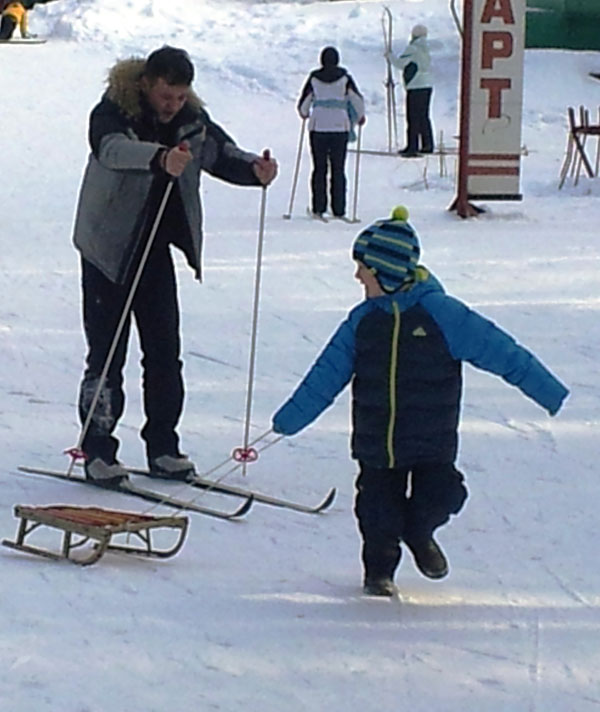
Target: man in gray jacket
149 129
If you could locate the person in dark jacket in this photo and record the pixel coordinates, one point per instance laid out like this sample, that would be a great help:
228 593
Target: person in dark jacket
402 348
332 101
148 135
16 13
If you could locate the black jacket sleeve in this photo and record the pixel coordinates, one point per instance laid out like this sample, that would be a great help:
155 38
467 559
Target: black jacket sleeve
223 159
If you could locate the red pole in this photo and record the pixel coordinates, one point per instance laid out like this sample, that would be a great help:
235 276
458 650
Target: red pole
461 202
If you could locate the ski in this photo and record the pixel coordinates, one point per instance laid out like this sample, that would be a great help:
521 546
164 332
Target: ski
145 494
374 152
221 488
396 154
23 41
316 216
345 219
202 483
390 84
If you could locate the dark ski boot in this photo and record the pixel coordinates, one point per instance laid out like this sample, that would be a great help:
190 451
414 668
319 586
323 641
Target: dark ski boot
379 587
429 558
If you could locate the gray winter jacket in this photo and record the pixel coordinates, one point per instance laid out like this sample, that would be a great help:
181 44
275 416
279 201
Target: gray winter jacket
122 184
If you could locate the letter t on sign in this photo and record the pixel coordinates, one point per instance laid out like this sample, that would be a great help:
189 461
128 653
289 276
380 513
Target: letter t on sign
495 88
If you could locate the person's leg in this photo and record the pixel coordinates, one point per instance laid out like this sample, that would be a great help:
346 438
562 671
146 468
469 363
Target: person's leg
380 509
102 307
337 156
7 27
156 312
412 136
437 492
318 148
424 128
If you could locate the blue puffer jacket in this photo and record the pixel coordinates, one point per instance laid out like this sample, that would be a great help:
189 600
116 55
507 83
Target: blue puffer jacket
403 353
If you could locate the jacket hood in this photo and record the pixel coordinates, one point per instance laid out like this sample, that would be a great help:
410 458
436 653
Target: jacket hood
419 41
329 74
425 283
124 87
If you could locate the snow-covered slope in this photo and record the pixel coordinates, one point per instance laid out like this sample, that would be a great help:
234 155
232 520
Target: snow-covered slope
267 613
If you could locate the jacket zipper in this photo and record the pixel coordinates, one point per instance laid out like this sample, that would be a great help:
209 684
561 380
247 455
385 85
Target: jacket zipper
392 394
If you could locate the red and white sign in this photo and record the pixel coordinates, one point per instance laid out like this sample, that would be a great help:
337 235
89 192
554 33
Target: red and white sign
491 100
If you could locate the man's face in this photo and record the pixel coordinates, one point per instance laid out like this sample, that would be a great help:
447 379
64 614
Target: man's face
167 100
364 275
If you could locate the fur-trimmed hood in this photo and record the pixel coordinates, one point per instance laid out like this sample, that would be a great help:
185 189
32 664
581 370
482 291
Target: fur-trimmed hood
124 87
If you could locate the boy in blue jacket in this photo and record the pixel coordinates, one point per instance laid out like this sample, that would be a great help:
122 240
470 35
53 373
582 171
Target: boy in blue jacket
403 348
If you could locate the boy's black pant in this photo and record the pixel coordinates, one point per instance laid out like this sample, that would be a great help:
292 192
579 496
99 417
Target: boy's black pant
156 313
388 515
328 148
419 134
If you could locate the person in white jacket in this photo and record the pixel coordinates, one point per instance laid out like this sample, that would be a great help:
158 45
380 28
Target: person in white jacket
331 99
415 63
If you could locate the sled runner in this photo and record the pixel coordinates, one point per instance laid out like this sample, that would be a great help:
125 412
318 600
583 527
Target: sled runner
81 525
31 40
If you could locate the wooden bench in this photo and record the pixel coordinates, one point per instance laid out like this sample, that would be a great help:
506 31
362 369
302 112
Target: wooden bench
81 525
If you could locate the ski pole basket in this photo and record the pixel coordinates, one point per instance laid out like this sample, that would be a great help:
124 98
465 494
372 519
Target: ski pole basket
95 526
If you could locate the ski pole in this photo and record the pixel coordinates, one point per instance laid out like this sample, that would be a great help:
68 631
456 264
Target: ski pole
355 219
390 84
77 451
288 215
247 454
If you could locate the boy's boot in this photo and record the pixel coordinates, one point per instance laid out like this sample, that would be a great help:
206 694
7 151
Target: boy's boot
429 557
104 475
379 571
172 467
383 586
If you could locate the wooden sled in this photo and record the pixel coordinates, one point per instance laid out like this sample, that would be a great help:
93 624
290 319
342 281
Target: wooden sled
98 526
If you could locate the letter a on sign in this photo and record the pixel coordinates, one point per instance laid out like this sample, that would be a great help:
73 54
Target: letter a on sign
491 102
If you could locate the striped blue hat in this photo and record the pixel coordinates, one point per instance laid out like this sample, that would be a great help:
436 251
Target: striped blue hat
390 248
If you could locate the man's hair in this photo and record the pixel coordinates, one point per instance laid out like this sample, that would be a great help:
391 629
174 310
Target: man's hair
171 64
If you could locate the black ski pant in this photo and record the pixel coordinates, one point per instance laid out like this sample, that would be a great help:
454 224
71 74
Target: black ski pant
328 150
419 133
388 514
156 313
7 27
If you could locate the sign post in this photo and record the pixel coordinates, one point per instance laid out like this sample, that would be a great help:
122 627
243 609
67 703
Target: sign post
491 103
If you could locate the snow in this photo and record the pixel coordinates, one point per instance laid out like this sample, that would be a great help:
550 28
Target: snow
267 613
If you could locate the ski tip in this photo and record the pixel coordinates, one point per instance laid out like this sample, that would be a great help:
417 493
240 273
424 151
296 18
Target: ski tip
244 509
328 501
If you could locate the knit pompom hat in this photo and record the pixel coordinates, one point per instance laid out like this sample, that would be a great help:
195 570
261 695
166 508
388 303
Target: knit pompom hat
390 248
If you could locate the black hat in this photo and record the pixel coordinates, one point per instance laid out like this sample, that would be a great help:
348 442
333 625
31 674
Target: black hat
330 57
